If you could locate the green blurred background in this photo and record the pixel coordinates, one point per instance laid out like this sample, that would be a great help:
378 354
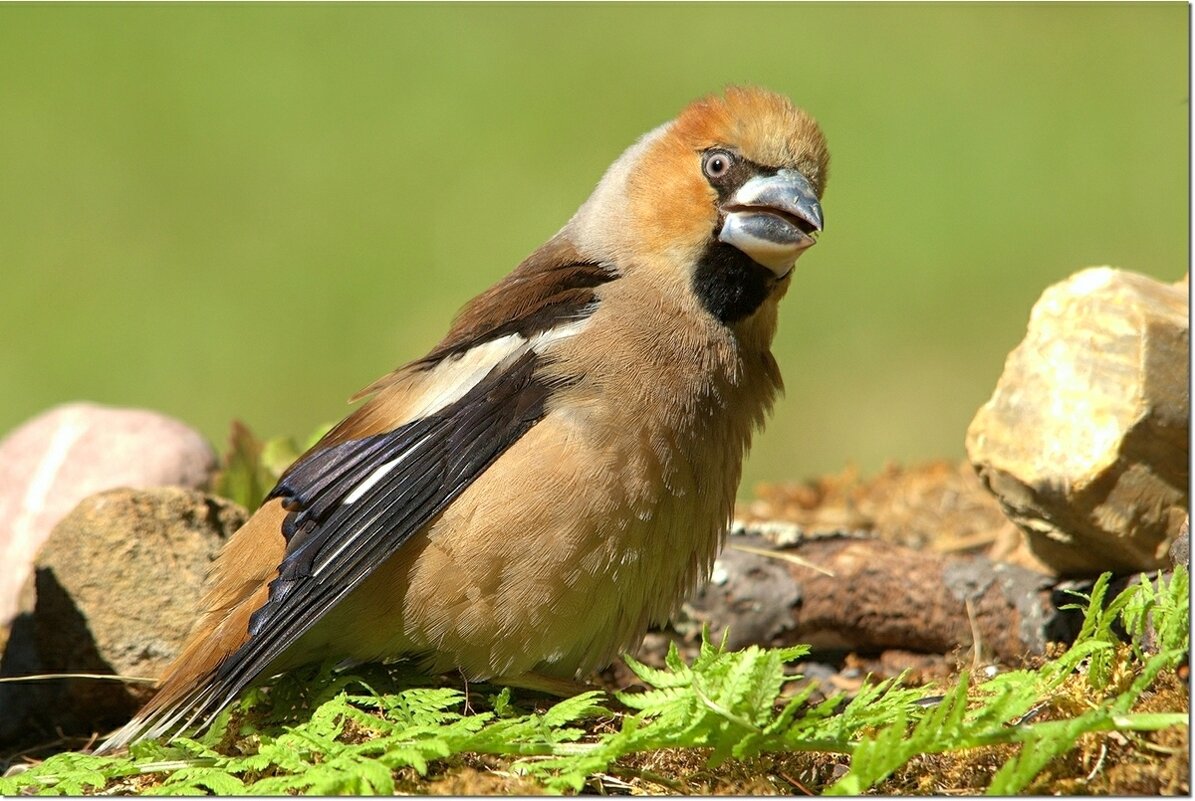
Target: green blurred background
226 211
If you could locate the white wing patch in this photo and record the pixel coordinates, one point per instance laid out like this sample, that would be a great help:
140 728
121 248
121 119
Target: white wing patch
562 331
449 380
452 378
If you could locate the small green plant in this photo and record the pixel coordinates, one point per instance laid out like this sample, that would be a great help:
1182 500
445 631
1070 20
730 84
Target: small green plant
732 705
251 467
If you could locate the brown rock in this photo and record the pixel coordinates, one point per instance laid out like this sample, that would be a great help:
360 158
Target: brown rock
1084 441
1180 549
117 587
60 457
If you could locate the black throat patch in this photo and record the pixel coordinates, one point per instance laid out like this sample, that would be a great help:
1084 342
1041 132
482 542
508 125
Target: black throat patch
729 283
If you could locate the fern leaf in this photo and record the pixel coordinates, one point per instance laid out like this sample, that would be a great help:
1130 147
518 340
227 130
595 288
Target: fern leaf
579 707
654 677
200 781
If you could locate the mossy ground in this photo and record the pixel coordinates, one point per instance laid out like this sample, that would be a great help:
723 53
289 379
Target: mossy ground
1103 762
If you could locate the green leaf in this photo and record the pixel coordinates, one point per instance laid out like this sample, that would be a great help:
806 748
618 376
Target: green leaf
241 477
250 467
200 780
579 707
672 677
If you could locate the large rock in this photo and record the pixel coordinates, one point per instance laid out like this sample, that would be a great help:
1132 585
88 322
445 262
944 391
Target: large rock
1084 441
116 590
60 457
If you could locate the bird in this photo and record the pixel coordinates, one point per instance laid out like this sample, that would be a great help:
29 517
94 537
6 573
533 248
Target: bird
556 475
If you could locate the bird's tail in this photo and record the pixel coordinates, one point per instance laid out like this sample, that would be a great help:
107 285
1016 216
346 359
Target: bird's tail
190 690
163 715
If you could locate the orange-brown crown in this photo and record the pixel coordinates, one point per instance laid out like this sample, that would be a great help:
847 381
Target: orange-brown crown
766 128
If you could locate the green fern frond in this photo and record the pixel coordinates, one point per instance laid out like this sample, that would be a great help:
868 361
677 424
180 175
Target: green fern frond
360 729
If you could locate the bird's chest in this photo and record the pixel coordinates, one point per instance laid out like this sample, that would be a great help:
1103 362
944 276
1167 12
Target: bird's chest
671 412
666 444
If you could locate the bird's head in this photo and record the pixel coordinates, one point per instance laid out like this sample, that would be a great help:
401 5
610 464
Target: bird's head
725 197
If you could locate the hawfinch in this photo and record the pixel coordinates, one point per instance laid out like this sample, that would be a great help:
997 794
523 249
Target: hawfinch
521 503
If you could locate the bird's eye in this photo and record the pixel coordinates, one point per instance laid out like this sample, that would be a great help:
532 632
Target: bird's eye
716 163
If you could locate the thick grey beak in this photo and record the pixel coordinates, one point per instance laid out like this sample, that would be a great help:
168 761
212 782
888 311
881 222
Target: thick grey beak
773 219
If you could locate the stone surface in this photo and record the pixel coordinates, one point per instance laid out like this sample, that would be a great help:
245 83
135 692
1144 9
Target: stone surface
1084 441
116 590
1180 549
60 457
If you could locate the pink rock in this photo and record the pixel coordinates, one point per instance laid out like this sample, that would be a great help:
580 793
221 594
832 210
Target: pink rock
55 460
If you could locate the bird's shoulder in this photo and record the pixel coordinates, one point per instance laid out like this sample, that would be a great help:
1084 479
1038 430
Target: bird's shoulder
556 284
